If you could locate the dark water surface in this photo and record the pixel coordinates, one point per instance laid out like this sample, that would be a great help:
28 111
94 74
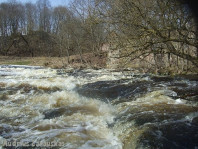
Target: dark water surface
99 109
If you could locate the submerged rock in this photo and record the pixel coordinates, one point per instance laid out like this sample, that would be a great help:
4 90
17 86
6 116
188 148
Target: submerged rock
111 90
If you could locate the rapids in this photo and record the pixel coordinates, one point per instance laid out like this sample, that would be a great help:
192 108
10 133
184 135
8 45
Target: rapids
96 109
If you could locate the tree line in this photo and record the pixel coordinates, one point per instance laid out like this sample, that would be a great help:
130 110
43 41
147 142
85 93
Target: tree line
42 30
162 29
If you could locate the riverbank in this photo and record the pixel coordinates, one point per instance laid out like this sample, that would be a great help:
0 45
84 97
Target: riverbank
89 61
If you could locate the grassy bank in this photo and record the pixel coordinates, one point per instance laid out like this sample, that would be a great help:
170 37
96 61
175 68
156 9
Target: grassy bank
89 61
35 61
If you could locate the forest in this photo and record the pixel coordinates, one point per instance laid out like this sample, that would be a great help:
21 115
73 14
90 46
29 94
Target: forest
159 35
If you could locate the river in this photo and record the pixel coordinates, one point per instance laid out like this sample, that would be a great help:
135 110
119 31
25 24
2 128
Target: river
96 109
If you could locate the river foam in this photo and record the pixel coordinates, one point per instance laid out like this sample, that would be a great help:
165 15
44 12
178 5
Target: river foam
96 108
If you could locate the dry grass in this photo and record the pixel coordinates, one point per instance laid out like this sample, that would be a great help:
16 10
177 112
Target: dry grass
35 61
90 60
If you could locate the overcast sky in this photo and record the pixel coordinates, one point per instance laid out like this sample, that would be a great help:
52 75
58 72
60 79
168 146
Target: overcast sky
53 2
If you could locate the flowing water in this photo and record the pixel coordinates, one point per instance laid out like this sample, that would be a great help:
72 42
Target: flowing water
96 109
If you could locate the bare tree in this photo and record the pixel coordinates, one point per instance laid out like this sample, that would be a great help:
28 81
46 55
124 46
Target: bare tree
31 17
44 10
153 26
